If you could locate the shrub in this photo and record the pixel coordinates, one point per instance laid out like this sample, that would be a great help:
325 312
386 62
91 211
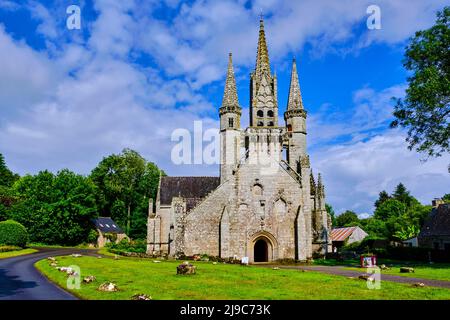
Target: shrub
13 233
9 248
354 246
138 246
92 236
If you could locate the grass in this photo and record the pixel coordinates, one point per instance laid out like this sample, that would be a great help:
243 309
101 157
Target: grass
15 253
438 271
222 281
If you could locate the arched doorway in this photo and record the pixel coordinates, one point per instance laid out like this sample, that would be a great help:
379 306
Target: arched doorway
261 251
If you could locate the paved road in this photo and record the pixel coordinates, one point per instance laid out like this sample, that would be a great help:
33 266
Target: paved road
19 279
340 271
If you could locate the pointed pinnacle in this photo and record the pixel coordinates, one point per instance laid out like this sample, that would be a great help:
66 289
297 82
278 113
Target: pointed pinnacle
262 56
295 95
230 97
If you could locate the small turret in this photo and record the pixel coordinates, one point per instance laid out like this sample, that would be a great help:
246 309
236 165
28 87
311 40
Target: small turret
230 124
295 117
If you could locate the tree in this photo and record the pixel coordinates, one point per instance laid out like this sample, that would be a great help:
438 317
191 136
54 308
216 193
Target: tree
376 228
425 110
331 212
346 219
55 209
407 233
402 194
383 196
7 177
389 208
446 198
125 182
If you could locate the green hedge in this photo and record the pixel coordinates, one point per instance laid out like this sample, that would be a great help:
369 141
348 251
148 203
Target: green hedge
137 246
13 233
413 253
9 248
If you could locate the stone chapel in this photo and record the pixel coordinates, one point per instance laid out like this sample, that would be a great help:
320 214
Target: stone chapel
266 204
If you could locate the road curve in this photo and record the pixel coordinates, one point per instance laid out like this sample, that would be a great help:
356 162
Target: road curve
20 280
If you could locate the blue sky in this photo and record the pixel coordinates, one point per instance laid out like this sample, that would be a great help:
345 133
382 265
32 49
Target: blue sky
137 70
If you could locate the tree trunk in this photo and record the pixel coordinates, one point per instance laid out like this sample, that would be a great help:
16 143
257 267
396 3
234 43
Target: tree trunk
129 220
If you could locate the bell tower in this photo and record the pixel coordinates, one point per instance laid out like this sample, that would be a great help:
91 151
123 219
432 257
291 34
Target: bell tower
263 87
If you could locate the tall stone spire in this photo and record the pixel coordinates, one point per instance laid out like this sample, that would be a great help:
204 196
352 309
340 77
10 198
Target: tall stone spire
262 56
295 95
230 98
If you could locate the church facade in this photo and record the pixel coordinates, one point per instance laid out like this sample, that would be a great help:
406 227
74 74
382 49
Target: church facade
266 205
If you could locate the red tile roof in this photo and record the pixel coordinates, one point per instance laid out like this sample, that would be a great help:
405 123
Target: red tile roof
341 234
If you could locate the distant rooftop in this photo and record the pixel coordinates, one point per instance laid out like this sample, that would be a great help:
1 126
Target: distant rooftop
341 234
107 225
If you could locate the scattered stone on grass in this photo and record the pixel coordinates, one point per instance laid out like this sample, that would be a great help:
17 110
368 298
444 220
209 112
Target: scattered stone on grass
406 270
76 255
419 284
141 296
108 287
214 262
54 264
186 268
366 277
275 268
89 279
156 261
52 259
384 267
116 257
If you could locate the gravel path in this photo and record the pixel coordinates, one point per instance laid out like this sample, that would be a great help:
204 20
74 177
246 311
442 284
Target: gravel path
340 271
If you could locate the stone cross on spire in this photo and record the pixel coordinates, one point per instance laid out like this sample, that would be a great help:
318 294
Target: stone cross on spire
295 95
262 57
230 98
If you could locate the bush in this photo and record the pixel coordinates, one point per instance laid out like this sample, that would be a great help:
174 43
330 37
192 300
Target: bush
138 246
354 246
9 248
414 254
92 236
13 233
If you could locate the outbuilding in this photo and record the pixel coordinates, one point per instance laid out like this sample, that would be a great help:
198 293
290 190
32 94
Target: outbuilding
108 231
347 235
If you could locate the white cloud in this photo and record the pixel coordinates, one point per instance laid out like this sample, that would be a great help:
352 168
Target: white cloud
354 174
8 5
70 106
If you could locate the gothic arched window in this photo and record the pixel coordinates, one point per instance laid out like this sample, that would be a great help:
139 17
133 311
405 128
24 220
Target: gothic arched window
270 124
260 124
280 207
260 113
270 113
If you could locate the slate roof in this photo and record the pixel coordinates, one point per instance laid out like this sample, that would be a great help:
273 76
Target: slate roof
438 222
341 234
193 189
107 225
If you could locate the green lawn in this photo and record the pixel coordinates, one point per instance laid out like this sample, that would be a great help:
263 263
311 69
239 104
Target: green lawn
222 281
10 254
438 271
